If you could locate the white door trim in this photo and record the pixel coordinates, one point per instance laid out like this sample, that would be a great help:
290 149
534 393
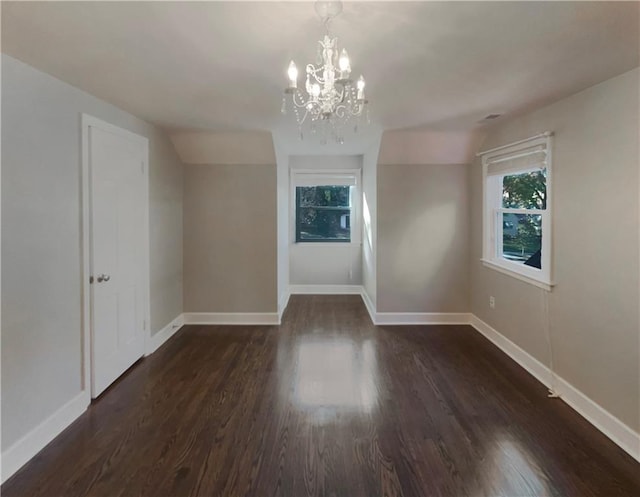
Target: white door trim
88 121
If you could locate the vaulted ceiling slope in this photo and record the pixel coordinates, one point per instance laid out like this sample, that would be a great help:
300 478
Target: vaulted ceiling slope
220 66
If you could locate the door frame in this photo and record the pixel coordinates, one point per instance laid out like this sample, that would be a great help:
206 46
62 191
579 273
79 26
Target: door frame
88 121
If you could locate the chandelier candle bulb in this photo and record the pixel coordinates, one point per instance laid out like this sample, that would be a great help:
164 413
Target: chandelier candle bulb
343 63
360 84
292 72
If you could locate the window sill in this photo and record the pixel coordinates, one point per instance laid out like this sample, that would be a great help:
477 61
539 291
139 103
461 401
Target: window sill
545 285
326 244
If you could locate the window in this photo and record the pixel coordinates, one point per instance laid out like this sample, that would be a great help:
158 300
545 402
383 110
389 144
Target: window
323 213
517 218
324 206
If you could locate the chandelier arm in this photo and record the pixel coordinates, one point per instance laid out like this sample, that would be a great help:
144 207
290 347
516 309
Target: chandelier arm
304 118
313 70
297 103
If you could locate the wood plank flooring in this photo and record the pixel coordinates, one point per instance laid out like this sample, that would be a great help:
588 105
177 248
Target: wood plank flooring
328 405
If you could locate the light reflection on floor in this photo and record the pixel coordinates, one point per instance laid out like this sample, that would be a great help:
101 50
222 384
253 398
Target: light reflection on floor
511 468
335 374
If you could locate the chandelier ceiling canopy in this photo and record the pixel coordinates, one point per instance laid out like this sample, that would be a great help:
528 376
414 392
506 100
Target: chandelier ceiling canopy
330 100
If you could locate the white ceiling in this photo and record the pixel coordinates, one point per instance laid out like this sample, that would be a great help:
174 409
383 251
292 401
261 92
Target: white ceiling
221 66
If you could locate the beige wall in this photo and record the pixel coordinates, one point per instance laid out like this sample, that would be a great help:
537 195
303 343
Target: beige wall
41 296
423 230
165 224
217 147
406 146
230 238
593 310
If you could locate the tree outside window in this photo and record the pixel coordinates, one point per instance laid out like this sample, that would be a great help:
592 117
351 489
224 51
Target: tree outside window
323 214
522 233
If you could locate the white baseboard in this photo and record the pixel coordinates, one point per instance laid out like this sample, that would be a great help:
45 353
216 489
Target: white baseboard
33 442
538 370
156 341
325 289
368 303
407 318
239 318
282 304
623 436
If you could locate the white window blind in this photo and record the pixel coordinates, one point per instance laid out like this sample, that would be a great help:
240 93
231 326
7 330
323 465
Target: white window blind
315 179
524 159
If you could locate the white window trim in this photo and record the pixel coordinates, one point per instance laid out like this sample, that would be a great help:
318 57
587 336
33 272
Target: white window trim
355 200
492 230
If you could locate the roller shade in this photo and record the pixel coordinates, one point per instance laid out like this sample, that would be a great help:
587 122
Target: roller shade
517 161
309 179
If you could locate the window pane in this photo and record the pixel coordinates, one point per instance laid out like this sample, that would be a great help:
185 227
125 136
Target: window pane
525 190
522 238
323 214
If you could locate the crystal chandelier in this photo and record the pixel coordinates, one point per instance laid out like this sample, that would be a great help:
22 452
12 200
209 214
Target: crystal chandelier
330 100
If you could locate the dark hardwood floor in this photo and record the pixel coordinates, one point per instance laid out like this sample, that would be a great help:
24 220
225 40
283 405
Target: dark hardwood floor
328 405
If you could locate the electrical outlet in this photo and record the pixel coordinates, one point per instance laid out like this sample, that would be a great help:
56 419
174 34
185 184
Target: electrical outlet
492 302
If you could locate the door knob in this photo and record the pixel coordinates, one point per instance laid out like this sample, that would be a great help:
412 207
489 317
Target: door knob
103 277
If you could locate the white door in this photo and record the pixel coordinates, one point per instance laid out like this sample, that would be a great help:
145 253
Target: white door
118 210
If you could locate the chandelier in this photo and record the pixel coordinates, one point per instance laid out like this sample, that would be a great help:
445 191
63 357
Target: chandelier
330 101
